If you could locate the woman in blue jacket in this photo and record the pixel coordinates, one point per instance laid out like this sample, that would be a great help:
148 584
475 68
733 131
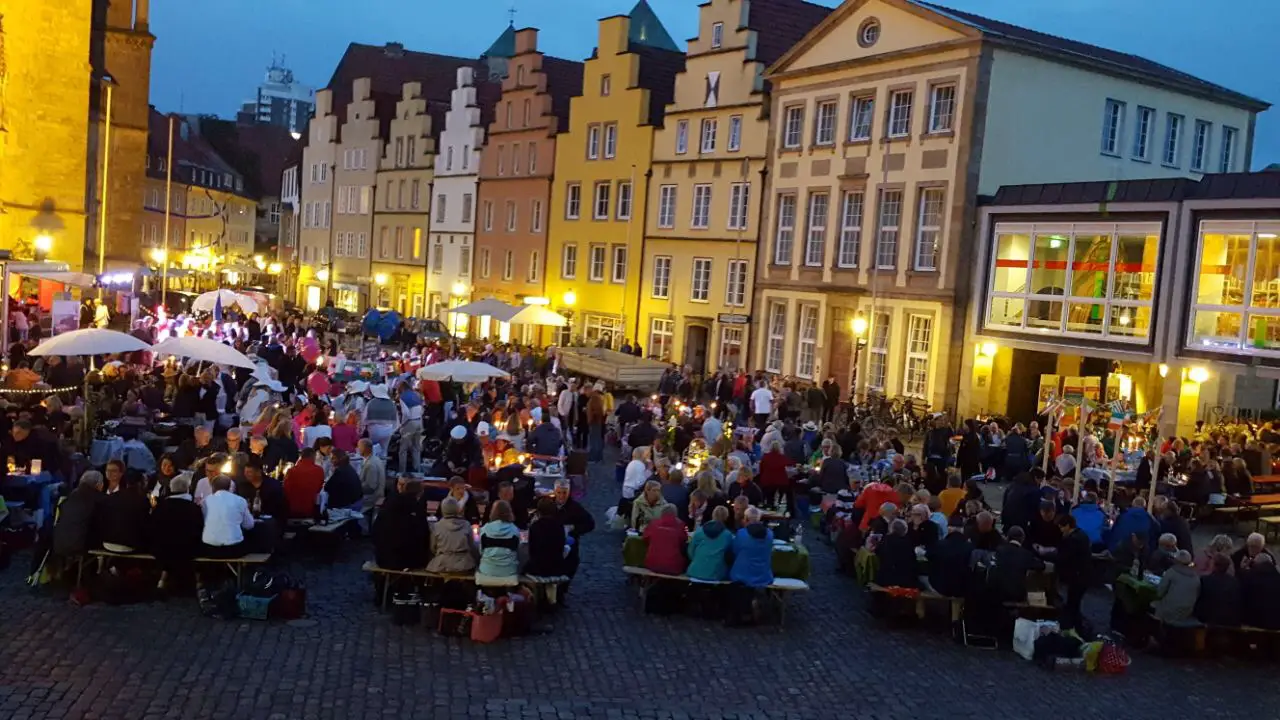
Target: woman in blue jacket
753 553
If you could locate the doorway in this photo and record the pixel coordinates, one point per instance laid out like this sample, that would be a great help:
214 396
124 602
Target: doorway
1024 382
695 348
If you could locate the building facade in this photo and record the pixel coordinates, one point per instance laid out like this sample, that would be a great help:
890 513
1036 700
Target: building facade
891 117
355 168
599 198
280 100
517 169
402 207
316 193
707 182
287 255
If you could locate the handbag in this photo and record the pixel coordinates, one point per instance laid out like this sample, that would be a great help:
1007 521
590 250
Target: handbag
1112 659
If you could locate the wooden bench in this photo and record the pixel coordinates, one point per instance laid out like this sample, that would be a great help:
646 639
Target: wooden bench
778 589
235 565
420 573
955 605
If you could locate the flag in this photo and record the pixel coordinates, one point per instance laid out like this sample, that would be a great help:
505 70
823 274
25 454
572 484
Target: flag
1153 416
1052 405
217 308
1118 416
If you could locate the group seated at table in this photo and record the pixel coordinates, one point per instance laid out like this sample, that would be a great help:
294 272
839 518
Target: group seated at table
1221 588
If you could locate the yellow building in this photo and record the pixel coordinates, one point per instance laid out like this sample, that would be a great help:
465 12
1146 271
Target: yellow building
401 207
708 174
599 196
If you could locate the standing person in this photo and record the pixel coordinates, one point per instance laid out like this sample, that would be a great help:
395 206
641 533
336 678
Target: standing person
595 423
831 389
761 404
816 404
373 478
380 417
411 409
1073 564
564 408
969 455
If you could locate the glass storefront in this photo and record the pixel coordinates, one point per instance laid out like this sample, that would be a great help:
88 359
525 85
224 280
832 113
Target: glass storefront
1086 280
1237 288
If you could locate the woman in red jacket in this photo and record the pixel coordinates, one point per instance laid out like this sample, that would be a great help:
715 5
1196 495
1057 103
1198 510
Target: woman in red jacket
773 475
668 542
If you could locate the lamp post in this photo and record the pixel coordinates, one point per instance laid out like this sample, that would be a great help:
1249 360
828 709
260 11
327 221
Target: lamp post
43 244
858 326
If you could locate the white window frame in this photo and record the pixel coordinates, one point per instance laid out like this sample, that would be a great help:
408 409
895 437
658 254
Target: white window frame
1247 309
1227 149
731 336
618 265
700 280
464 261
862 117
535 216
739 204
700 217
807 341
708 135
596 258
793 127
815 237
824 123
929 234
1142 132
888 229
611 140
661 287
942 108
569 261
785 229
667 207
508 265
1112 127
622 209
1200 144
593 142
573 201
661 337
600 200
735 286
1171 155
512 216
878 351
485 262
487 220
915 370
717 35
852 207
899 118
682 137
776 339
534 266
735 133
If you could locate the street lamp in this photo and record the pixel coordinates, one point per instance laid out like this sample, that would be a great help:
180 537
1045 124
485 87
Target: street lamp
158 256
43 244
323 275
380 279
858 326
570 298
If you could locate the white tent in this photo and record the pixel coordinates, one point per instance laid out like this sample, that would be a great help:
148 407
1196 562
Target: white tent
489 306
534 315
204 350
461 371
207 301
92 341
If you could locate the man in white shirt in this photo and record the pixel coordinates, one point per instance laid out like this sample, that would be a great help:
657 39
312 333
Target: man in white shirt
712 429
762 403
226 518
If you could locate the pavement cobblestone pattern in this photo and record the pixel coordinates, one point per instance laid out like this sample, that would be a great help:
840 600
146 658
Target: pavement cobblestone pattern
603 660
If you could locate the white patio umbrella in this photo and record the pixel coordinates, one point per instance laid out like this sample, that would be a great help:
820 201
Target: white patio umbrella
535 315
489 306
204 350
207 301
461 371
92 341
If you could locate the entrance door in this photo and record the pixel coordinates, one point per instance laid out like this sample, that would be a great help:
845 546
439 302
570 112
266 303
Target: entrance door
1024 382
313 298
695 348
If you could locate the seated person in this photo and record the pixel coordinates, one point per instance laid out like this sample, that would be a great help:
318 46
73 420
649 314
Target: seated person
1134 521
453 547
667 540
76 531
949 561
499 550
174 531
401 533
648 506
744 485
507 492
1178 591
1090 518
879 524
920 529
1260 594
738 513
302 485
343 486
1163 557
675 493
264 494
548 545
226 518
752 552
1254 546
983 533
213 466
122 519
708 548
898 564
1219 601
1043 535
1013 562
467 507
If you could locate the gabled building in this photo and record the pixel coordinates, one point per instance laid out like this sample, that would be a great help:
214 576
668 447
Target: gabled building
517 170
891 118
707 184
600 192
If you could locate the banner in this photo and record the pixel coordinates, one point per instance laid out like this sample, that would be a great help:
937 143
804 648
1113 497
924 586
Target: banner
1072 394
65 316
1048 391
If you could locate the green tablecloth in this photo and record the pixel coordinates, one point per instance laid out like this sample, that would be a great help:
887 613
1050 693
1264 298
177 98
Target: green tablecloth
1134 594
786 563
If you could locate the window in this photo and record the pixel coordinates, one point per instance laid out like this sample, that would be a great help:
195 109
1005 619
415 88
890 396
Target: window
1112 127
942 108
1142 133
1085 280
535 216
399 152
511 216
448 158
569 261
701 207
717 35
466 156
661 331
1173 140
572 201
709 135
730 347
816 238
887 238
824 124
410 150
661 277
466 207
850 230
508 265
364 245
701 288
533 266
484 262
1236 298
929 228
739 198
502 160
735 133
619 265
593 142
792 127
784 238
440 208
878 357
515 158
682 137
667 207
623 209
464 261
1228 149
806 351
606 84
610 140
533 158
900 113
1200 145
776 342
526 112
487 220
915 379
414 194
861 116
507 109
601 209
520 76
596 269
735 289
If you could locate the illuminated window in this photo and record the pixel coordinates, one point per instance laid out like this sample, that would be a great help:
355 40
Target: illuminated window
1237 292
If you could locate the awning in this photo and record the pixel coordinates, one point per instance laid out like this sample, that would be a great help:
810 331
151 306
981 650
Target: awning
73 279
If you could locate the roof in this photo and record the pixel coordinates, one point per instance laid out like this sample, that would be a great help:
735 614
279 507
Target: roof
271 145
647 29
1226 186
390 66
1118 61
658 70
504 46
780 24
564 81
190 147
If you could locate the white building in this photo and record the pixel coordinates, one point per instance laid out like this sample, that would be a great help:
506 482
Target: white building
280 100
453 227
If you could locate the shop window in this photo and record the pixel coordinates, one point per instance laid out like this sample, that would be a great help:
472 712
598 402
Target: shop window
1237 293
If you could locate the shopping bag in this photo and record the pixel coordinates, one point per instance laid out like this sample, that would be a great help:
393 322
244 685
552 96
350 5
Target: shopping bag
1026 632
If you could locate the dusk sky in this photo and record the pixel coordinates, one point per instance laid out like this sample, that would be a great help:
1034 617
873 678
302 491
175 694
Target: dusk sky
210 61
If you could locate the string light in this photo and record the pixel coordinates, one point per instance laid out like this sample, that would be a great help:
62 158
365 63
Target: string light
38 391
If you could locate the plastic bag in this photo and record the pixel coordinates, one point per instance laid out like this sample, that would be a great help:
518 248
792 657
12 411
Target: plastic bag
1026 632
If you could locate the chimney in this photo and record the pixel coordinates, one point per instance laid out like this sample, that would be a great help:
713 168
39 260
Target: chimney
393 50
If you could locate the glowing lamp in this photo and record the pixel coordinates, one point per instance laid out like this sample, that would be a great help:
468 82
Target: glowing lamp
1198 374
988 349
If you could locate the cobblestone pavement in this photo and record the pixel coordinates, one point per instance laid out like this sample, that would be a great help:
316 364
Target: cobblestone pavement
603 660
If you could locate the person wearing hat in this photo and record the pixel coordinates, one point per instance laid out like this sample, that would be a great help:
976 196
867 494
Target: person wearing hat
380 417
461 452
411 409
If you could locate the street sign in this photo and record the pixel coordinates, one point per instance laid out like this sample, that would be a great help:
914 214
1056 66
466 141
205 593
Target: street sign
733 319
